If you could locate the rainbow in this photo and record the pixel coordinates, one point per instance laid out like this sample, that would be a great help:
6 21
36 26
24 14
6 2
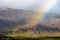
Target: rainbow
36 16
45 7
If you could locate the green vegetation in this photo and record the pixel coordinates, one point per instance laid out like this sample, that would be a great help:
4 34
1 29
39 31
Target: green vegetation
30 36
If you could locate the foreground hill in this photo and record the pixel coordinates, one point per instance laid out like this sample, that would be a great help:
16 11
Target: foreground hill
14 20
12 17
50 23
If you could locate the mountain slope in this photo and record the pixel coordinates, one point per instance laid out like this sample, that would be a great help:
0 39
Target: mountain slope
14 20
49 24
52 20
13 17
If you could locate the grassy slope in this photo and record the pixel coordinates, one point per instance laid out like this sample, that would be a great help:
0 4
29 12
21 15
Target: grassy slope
29 36
33 35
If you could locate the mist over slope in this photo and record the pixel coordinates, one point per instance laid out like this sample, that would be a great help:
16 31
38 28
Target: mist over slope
17 20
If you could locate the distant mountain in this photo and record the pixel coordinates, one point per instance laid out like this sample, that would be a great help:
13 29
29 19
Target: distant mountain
50 23
14 14
52 20
10 19
13 17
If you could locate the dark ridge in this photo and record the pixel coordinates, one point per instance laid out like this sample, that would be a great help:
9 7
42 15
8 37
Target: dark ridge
5 24
6 38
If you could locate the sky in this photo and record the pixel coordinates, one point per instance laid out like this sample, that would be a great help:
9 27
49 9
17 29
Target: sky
56 8
44 5
24 4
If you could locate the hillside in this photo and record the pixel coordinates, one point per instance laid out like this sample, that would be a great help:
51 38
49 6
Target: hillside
12 17
19 20
52 20
50 24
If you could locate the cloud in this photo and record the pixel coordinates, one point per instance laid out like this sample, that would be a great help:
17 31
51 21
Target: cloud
21 4
17 3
